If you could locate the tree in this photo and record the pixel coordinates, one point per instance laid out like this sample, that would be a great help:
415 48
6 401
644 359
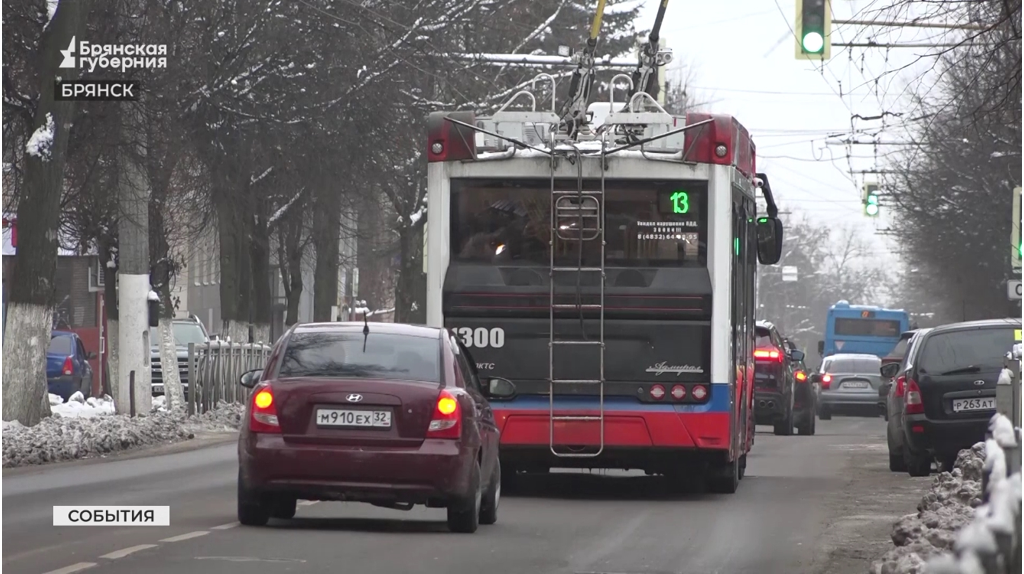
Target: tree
30 301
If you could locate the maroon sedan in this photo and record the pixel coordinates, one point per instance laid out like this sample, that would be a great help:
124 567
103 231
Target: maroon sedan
389 414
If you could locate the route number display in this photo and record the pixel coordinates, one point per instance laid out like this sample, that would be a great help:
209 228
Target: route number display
481 337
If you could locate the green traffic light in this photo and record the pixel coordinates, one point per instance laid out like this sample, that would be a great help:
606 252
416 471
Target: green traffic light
871 209
813 42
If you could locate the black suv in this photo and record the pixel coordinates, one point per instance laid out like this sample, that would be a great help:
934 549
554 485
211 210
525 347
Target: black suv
779 400
949 389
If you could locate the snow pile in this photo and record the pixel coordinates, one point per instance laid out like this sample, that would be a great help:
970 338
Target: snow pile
79 406
60 438
42 140
968 520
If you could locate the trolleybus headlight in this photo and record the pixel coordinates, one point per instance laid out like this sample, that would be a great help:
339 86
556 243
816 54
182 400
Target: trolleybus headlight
437 147
700 392
678 392
721 150
657 392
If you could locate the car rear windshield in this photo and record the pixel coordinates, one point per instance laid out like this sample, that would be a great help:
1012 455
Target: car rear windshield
858 365
954 350
350 355
900 350
764 338
61 345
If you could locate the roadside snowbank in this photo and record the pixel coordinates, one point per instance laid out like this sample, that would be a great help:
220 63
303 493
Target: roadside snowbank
948 506
78 435
79 406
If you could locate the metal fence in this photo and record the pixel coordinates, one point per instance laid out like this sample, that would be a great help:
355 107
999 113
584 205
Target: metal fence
214 369
991 543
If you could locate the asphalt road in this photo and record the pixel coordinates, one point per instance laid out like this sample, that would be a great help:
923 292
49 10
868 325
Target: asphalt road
808 504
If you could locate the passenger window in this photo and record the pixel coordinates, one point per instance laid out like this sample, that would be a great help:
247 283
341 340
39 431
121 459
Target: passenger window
464 368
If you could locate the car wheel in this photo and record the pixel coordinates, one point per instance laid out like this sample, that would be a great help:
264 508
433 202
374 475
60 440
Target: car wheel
252 509
743 466
896 462
284 508
917 464
464 514
824 413
807 424
726 478
784 427
492 497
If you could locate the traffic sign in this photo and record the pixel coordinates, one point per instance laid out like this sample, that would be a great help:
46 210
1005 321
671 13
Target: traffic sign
1013 290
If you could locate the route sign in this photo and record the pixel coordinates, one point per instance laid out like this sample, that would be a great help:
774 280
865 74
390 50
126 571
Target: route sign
1013 290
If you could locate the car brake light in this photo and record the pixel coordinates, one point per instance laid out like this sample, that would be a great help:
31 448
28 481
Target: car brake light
264 412
768 355
826 381
657 392
678 392
801 376
449 141
913 405
900 390
447 419
69 368
699 392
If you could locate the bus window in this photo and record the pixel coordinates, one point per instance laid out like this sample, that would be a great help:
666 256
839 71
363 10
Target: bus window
866 328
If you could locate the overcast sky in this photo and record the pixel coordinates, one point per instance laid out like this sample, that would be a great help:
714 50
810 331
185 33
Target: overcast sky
742 57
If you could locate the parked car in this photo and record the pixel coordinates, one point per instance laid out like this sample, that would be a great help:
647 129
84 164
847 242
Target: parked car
775 386
67 365
185 331
893 392
849 383
949 390
390 414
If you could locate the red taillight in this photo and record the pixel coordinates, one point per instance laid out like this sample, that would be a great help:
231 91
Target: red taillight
69 368
657 392
723 141
826 381
699 392
449 141
801 376
447 419
264 412
900 390
768 354
913 405
678 392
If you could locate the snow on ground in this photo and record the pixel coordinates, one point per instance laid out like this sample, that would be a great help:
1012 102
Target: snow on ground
88 428
948 506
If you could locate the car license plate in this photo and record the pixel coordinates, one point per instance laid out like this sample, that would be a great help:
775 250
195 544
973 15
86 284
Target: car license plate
982 404
350 418
855 385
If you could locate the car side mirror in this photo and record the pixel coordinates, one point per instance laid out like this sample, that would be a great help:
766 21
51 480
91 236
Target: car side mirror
889 371
796 355
500 388
249 379
769 240
815 377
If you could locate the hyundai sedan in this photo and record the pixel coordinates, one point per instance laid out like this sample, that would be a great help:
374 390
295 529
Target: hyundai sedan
388 414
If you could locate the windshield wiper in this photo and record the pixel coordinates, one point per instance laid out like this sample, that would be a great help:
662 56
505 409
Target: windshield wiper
962 370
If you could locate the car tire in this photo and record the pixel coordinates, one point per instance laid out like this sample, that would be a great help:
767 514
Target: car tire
252 508
917 465
284 508
785 426
492 497
725 479
896 462
824 413
808 425
464 514
743 466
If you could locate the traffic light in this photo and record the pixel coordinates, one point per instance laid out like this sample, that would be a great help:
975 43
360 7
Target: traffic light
871 199
813 29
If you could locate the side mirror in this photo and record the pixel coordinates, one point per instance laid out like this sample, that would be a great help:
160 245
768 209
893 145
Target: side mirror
499 388
797 355
769 240
250 378
821 348
890 370
815 377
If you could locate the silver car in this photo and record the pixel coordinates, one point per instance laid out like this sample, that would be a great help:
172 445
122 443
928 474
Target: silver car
848 383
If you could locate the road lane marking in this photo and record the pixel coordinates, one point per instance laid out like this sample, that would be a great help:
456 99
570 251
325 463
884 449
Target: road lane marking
72 568
224 526
188 536
126 551
307 502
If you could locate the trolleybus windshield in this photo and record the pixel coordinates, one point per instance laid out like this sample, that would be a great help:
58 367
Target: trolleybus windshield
648 223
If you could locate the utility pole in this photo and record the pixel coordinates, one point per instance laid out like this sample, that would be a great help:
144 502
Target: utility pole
133 272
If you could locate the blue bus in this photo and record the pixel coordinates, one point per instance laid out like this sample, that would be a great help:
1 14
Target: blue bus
862 329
